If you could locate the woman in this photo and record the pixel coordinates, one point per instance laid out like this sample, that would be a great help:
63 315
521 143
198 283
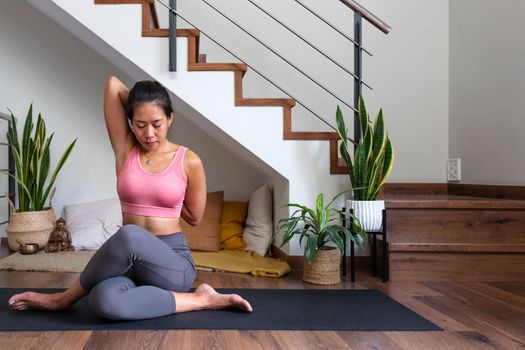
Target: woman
144 270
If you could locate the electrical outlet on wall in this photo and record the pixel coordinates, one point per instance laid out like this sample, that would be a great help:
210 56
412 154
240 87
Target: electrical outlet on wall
454 169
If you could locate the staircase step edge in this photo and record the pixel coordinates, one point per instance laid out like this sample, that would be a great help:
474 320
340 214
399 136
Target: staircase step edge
454 204
458 247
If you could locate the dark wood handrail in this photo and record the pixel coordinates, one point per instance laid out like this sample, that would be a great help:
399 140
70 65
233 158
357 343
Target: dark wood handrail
369 16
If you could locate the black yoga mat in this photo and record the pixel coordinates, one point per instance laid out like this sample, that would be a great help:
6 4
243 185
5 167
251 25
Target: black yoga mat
274 309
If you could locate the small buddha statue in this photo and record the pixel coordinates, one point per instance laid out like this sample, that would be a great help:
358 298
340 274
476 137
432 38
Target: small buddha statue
60 239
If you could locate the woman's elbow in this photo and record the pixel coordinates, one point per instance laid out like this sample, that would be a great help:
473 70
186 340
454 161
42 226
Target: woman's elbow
193 222
192 218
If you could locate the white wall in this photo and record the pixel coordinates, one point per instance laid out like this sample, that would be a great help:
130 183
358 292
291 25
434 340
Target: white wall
487 84
409 70
42 63
224 171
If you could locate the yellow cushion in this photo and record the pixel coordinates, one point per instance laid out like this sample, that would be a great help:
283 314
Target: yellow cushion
232 225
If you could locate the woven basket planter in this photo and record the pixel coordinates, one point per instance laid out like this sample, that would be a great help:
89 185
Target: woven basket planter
29 226
325 269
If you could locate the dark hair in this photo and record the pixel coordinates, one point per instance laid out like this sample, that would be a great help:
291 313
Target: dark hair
148 91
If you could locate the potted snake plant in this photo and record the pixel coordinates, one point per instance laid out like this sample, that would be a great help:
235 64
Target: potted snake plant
33 222
323 232
373 159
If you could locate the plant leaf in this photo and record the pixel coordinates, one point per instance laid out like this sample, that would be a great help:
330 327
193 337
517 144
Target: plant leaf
374 178
363 116
335 236
360 167
343 148
61 162
319 205
26 135
20 182
387 165
311 248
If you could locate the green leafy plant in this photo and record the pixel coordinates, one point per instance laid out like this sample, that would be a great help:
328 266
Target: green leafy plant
373 156
32 162
320 226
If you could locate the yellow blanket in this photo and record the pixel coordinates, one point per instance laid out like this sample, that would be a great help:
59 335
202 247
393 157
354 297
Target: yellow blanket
242 262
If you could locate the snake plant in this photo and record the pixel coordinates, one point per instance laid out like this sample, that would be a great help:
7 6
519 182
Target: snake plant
32 162
373 155
320 226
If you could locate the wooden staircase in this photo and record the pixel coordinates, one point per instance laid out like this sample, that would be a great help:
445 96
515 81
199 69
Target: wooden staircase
197 62
446 237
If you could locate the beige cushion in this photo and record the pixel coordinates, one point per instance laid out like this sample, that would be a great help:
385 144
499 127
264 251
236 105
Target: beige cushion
259 224
206 236
91 224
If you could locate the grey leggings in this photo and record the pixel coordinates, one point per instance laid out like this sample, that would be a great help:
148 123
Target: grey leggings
132 275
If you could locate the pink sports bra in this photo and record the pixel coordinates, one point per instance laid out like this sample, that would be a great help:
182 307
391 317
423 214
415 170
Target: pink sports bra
152 194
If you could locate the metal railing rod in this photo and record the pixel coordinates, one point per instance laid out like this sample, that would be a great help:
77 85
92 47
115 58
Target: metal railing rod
280 56
333 27
369 16
174 12
311 45
173 39
358 68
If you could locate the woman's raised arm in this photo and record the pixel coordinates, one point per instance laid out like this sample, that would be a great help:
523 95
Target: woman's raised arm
120 135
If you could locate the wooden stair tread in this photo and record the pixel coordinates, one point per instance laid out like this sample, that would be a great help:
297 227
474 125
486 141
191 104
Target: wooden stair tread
450 202
118 2
163 32
310 135
217 67
281 102
467 247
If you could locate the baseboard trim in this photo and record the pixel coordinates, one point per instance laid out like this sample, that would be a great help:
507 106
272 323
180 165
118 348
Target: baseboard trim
278 253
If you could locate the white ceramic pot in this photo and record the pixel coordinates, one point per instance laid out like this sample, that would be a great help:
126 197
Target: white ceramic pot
369 213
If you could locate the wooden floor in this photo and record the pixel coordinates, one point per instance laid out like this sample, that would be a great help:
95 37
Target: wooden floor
473 315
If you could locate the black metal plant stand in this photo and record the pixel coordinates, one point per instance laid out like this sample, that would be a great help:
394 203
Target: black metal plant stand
374 249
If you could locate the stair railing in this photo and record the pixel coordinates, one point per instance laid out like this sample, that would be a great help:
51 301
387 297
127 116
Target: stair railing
359 13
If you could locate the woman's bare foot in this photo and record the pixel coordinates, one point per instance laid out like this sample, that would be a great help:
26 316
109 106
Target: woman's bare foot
214 300
32 300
